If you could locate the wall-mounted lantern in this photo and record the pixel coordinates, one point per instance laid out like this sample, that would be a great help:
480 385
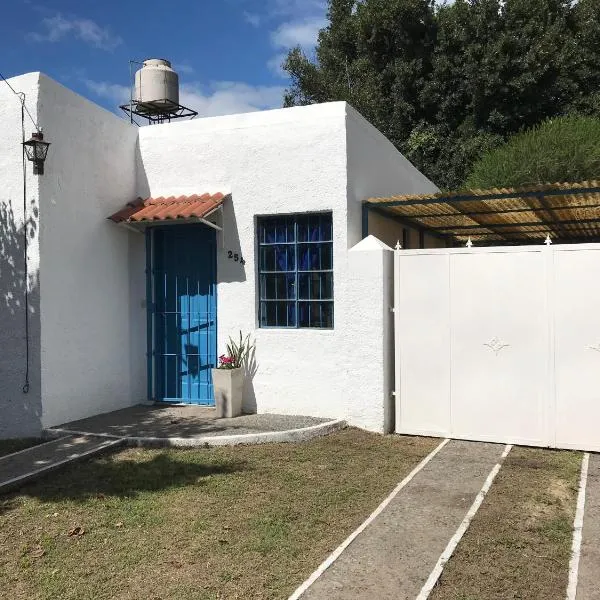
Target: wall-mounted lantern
37 150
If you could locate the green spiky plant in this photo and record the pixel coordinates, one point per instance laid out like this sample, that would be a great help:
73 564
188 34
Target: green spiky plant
237 353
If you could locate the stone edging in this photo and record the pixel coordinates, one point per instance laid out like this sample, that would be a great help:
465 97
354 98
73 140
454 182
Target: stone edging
24 478
302 434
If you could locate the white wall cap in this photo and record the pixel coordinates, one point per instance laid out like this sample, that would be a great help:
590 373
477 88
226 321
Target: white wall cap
310 115
369 244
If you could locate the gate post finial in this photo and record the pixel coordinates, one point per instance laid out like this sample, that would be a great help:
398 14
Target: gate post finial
398 246
469 243
548 240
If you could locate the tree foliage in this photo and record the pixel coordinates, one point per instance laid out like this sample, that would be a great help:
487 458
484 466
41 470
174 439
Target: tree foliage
448 83
565 149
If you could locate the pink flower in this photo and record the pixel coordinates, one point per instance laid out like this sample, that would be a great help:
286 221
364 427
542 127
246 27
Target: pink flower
225 360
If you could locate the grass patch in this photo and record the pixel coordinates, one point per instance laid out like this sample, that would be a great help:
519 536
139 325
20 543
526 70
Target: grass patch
10 446
245 522
519 543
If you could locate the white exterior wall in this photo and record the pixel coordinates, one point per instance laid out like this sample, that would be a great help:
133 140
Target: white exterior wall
92 274
305 159
276 162
377 169
88 366
20 413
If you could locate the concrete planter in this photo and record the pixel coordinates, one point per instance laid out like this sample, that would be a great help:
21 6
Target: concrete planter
229 387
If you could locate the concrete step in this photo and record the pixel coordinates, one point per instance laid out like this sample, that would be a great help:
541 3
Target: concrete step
18 468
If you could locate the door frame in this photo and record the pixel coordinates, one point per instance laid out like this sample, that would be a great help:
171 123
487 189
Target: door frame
151 378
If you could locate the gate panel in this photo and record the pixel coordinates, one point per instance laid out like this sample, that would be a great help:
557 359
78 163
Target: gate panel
499 346
577 334
423 343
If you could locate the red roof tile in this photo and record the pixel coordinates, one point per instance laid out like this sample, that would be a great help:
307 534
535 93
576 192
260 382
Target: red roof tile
162 209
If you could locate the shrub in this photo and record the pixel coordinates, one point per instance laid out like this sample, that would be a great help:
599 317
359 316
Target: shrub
564 149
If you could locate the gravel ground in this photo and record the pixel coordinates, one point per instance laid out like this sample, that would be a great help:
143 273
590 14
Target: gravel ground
185 422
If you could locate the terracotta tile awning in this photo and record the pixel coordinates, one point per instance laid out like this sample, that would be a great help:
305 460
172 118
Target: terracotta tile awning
171 208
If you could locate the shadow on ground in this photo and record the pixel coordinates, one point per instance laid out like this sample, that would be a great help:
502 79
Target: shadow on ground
164 421
118 477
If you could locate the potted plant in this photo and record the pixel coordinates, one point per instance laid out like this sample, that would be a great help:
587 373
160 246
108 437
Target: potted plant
228 378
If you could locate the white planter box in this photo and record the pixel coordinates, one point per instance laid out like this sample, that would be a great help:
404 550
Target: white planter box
229 387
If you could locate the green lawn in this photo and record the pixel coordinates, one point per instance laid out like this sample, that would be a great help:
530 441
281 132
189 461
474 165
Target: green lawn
519 543
245 522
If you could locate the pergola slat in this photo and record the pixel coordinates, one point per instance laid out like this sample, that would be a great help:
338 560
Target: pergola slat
565 211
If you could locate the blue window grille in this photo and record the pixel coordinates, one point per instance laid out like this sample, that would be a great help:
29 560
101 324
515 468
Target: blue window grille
296 271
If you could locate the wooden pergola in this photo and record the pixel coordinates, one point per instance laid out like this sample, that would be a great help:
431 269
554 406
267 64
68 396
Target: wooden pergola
567 212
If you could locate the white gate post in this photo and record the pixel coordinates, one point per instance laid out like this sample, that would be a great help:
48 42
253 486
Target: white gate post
550 404
370 335
396 329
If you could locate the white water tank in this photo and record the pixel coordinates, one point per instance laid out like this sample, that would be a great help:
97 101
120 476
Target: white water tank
156 81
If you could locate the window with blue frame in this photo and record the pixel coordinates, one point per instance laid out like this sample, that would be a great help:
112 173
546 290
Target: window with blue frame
296 271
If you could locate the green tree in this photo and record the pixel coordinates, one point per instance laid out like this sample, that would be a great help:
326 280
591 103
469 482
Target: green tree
375 55
447 84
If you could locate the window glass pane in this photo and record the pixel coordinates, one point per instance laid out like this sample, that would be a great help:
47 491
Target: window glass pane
315 257
315 314
278 287
291 314
277 258
267 316
278 314
308 257
326 226
302 229
277 231
315 286
315 228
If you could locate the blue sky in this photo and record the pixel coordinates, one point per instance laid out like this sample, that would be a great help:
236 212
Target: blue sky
227 52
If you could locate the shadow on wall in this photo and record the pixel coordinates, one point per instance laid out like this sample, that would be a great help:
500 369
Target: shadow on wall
250 370
231 264
20 413
142 185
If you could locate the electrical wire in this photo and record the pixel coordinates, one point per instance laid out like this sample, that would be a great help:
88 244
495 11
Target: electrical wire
22 98
25 245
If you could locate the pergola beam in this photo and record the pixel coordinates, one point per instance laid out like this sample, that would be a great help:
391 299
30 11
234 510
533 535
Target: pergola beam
516 195
494 212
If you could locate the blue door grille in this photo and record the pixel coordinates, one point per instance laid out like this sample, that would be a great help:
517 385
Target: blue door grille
182 313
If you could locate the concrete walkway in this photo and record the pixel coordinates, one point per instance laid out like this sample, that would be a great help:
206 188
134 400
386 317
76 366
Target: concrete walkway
588 586
164 421
20 467
163 425
394 555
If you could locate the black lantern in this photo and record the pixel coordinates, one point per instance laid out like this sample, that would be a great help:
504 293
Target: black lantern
36 150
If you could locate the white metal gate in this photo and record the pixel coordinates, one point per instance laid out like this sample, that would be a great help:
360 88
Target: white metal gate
499 344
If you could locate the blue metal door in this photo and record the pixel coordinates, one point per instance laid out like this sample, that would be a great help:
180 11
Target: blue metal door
182 313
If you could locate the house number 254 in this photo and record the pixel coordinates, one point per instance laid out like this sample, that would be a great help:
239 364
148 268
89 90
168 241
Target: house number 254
235 257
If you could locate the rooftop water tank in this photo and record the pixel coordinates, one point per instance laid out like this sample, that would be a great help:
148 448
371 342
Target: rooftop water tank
156 82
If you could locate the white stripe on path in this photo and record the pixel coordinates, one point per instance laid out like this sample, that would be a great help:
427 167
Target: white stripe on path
578 530
340 549
454 541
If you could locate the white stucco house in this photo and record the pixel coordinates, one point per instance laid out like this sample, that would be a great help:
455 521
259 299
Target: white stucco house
148 247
